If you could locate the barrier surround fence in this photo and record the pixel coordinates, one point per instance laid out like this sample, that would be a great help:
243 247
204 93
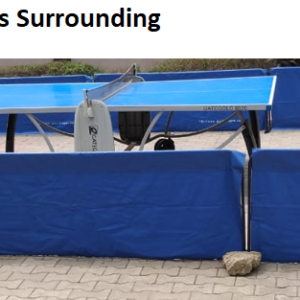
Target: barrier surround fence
181 201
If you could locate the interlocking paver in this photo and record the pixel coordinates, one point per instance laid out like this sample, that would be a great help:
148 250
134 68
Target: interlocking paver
120 295
205 272
191 264
81 262
63 277
284 282
114 278
10 284
38 284
190 279
289 267
38 298
283 297
242 281
51 293
45 269
211 264
203 288
145 263
80 270
168 271
169 296
79 278
163 288
130 271
150 279
5 275
16 292
126 287
201 296
247 290
18 269
85 286
77 294
277 274
287 291
40 261
110 262
16 261
229 280
238 296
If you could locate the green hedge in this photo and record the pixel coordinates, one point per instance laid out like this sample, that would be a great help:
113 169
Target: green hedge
170 65
49 69
178 65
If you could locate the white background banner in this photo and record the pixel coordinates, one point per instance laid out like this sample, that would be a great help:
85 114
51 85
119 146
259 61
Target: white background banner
187 29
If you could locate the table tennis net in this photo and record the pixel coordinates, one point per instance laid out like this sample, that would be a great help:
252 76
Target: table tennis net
113 87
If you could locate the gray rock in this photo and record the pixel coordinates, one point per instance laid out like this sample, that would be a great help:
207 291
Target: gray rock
241 262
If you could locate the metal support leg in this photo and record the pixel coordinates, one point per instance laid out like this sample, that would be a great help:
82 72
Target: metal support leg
42 132
10 133
255 126
252 139
249 138
149 129
232 137
248 220
269 122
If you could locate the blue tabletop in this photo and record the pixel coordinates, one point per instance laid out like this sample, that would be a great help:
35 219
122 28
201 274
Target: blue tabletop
208 94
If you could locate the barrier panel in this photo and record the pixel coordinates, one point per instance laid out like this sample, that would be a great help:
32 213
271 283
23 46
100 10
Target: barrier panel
46 79
186 75
286 107
275 205
168 204
62 121
191 121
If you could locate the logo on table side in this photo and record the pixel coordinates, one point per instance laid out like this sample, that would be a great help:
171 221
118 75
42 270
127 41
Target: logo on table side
93 131
225 108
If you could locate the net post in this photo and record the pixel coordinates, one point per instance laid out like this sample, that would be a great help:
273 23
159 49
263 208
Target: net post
134 70
88 104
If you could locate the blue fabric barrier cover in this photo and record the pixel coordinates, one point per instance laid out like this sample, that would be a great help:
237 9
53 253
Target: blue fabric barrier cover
191 121
62 121
286 107
167 204
46 79
275 205
186 75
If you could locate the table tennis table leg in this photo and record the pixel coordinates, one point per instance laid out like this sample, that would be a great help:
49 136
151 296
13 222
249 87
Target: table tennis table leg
10 133
251 133
255 126
149 129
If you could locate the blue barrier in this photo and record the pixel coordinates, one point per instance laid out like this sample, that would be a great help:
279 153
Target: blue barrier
275 205
186 75
62 121
168 204
191 121
286 107
46 79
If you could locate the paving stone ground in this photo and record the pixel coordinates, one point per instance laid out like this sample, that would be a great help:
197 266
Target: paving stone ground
80 278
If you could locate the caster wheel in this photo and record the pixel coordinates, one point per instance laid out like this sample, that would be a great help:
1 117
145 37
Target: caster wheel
164 144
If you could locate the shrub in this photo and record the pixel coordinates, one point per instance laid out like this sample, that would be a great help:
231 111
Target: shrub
179 65
49 69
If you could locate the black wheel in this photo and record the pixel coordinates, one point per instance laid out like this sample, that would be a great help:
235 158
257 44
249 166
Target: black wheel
164 144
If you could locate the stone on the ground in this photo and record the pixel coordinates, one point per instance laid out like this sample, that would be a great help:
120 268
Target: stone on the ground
241 262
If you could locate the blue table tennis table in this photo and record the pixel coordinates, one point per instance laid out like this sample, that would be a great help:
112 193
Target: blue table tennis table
131 94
